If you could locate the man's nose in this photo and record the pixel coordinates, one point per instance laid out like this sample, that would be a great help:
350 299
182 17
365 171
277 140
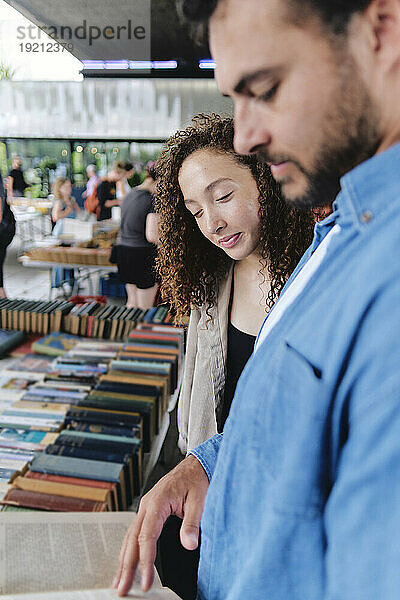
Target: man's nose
251 129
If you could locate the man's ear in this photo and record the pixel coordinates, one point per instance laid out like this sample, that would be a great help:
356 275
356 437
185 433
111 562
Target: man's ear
382 20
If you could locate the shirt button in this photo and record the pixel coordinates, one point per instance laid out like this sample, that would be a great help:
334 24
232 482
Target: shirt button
366 217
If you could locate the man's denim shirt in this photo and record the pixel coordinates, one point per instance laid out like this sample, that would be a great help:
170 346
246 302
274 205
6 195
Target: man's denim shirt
304 501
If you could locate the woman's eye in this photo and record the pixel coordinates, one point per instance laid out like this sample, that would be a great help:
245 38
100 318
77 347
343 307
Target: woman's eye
224 197
198 214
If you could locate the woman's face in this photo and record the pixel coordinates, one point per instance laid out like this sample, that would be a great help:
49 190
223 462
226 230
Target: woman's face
223 198
66 188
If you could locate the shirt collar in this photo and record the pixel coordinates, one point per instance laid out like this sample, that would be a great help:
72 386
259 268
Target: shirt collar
364 190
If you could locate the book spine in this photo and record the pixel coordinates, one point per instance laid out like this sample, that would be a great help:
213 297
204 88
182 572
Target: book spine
28 499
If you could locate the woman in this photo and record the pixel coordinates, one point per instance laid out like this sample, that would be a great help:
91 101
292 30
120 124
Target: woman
65 207
123 187
136 243
228 243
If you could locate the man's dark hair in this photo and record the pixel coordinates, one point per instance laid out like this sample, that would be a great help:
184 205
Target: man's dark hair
336 14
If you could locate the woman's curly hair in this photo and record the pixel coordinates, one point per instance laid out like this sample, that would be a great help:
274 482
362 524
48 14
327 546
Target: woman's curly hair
190 266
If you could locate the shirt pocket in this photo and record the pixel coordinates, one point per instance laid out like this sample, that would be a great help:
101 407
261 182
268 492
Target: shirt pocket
297 430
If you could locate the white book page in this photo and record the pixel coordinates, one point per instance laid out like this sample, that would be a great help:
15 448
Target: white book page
71 556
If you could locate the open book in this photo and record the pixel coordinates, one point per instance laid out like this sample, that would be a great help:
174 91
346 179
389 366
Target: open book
64 556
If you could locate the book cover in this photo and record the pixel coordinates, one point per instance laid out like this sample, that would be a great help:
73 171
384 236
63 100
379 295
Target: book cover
114 419
37 363
145 406
105 429
104 485
100 454
25 439
83 468
39 406
64 489
55 344
9 340
29 499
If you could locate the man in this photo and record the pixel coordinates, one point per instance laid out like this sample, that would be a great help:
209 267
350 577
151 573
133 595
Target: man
16 183
304 498
107 193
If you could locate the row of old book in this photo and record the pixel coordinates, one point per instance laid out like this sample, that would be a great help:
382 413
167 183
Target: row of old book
73 436
33 316
95 320
90 319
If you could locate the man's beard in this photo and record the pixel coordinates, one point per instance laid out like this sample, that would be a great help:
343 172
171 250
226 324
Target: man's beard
350 135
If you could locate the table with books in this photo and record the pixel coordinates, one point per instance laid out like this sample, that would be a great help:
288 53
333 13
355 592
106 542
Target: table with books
82 271
81 245
78 416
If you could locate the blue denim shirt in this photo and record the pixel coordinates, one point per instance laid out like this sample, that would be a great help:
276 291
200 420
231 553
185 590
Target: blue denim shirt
304 500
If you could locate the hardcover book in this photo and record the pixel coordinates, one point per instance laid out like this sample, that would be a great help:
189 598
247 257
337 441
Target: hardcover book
86 469
9 340
64 489
104 485
29 499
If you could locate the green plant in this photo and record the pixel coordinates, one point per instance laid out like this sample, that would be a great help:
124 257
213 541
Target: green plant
6 71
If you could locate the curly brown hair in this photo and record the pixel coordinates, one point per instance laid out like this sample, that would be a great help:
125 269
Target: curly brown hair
191 266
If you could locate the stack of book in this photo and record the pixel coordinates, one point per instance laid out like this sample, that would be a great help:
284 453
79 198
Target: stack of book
33 316
24 428
17 448
94 464
142 377
94 320
84 420
90 319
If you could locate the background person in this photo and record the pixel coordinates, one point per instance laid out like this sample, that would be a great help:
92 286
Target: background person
16 184
92 181
136 243
64 207
298 493
123 187
107 193
7 232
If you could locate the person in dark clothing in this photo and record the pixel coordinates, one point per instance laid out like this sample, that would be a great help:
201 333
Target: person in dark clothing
137 239
7 231
16 181
107 193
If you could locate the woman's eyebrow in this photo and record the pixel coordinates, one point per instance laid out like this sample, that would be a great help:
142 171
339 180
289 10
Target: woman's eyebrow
209 187
213 184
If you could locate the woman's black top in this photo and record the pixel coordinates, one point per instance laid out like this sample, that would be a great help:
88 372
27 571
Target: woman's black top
239 349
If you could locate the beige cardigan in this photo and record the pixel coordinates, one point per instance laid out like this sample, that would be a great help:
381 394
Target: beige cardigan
204 377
